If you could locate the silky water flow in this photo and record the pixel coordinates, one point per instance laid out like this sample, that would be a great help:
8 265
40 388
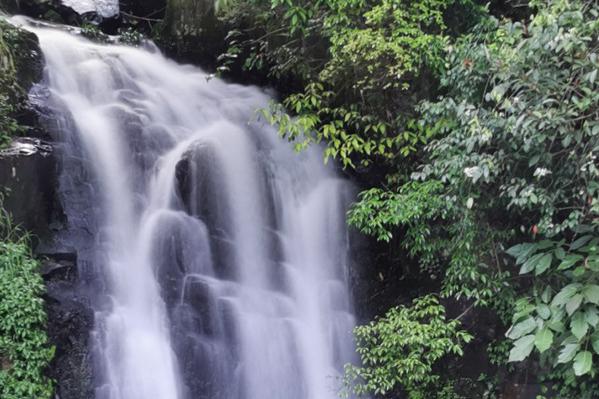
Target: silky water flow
215 256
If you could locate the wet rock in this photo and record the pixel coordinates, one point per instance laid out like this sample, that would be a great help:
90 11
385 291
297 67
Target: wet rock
21 55
200 188
70 321
104 13
191 32
28 176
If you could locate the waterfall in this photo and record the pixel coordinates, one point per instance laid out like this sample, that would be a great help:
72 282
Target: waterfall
215 256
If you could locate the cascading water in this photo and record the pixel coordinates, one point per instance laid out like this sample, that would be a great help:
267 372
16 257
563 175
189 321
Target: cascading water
218 258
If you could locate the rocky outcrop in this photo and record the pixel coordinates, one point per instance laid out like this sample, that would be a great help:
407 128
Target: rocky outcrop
28 183
71 12
27 175
70 322
191 32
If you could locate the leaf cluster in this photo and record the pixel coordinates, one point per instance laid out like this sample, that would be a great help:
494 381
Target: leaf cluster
24 350
402 348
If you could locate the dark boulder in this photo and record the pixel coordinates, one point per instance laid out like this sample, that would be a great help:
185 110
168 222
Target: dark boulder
191 32
70 321
28 178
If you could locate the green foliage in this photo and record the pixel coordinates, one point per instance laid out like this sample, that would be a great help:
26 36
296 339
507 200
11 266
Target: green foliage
513 158
378 210
358 59
94 33
24 350
562 316
9 90
401 350
131 37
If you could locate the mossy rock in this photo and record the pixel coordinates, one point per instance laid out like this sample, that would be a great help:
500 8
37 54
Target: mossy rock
21 55
191 32
21 65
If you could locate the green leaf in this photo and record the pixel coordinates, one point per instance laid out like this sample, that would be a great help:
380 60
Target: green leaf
544 311
543 339
569 261
595 342
578 325
520 249
591 316
530 264
546 295
573 304
562 297
567 353
522 328
522 348
543 263
580 242
583 363
591 293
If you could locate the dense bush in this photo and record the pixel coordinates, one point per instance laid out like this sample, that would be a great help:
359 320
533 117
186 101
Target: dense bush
515 160
360 64
402 348
24 350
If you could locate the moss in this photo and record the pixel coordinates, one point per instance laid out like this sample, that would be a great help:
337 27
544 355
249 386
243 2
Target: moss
21 65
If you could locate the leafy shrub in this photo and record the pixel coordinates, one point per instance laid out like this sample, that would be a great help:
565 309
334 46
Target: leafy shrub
360 63
401 350
24 350
514 159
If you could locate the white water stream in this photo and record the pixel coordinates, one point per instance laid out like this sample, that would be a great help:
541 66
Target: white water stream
220 254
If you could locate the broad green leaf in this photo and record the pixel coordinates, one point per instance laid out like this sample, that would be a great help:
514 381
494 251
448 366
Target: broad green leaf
543 311
556 325
543 264
580 242
579 325
546 295
592 316
595 342
524 311
573 304
545 244
583 363
543 339
567 353
591 293
522 348
562 297
530 264
522 328
520 249
569 261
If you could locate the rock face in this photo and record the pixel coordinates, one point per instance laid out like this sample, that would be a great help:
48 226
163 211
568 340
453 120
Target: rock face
27 174
28 183
26 167
191 32
104 8
70 12
70 321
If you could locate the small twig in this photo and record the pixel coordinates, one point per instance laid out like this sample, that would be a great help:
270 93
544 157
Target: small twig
468 309
141 18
